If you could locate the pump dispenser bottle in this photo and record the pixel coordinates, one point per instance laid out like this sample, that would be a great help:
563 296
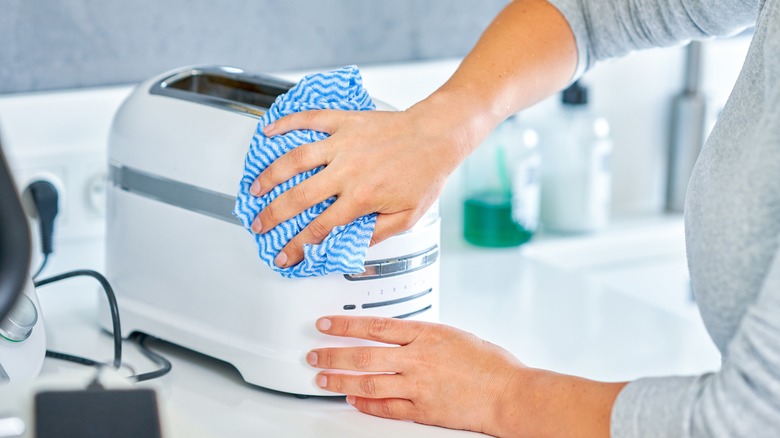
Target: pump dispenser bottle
576 175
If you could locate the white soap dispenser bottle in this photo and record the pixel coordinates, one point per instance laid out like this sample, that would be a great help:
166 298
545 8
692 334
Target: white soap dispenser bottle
576 175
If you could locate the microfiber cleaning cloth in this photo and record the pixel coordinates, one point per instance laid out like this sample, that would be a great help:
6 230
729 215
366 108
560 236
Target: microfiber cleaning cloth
344 249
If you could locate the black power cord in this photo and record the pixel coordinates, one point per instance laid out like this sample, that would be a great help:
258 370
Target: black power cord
139 338
165 365
75 359
42 265
113 307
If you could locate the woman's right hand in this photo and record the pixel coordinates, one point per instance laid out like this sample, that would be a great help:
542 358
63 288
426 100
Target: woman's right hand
392 163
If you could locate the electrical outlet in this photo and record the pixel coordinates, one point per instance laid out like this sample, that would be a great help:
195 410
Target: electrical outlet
80 179
53 174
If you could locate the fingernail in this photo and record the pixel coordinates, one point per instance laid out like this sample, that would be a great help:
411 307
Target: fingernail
351 399
311 358
268 128
280 259
257 227
322 381
324 324
255 189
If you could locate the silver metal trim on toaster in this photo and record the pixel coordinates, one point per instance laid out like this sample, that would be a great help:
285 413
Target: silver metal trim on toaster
176 193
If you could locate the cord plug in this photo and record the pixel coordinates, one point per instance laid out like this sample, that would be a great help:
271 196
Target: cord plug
46 200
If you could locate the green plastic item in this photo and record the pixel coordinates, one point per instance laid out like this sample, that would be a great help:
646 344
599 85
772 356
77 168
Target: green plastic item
488 221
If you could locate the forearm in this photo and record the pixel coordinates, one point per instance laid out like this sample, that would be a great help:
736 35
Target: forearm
527 53
541 403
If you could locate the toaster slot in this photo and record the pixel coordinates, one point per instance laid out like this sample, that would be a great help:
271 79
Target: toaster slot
224 87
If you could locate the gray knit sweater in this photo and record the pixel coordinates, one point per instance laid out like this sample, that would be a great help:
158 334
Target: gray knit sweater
732 219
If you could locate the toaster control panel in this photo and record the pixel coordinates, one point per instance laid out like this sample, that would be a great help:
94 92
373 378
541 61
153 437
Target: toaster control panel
396 266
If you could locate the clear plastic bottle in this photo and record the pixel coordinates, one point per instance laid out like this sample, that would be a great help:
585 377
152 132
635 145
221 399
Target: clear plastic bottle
502 177
576 176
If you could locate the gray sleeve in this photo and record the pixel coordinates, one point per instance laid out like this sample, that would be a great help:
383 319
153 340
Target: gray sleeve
740 400
610 28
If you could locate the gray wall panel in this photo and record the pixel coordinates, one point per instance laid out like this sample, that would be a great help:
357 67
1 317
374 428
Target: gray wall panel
446 26
55 44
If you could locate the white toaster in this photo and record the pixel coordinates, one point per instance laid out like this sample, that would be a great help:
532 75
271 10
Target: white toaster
186 271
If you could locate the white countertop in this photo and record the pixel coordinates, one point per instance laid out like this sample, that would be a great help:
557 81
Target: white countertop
612 306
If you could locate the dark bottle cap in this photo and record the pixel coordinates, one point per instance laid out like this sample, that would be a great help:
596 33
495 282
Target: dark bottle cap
576 94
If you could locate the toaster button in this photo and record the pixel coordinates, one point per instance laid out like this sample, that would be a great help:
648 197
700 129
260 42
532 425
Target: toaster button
394 267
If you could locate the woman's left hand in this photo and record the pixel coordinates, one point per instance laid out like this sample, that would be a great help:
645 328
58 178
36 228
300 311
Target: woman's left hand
438 375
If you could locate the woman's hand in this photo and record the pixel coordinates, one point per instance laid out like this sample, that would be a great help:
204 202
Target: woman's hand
442 376
392 163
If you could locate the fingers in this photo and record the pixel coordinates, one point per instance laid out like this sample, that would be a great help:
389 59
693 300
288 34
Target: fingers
400 409
365 359
380 395
319 228
386 330
292 202
304 157
363 385
325 121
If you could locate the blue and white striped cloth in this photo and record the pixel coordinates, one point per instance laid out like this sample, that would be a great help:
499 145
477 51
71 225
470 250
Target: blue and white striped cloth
344 249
